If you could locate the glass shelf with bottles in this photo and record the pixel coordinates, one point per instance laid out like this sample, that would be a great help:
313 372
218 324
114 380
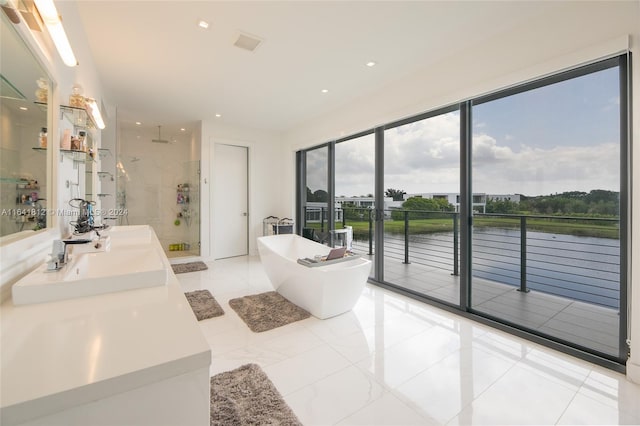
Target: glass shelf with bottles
75 155
78 116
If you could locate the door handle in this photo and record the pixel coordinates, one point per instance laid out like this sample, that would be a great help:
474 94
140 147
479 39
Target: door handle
245 214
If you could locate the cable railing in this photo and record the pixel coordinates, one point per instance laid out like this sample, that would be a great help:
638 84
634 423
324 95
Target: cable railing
572 257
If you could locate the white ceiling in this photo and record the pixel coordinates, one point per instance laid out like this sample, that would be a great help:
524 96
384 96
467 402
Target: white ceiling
159 67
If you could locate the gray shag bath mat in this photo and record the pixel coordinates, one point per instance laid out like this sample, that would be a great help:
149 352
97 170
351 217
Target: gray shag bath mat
203 304
181 268
265 311
246 396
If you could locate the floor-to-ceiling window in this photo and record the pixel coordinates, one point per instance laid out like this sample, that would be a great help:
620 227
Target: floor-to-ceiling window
546 232
354 193
422 187
316 205
511 206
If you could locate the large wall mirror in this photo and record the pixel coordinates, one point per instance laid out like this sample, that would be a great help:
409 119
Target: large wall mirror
24 102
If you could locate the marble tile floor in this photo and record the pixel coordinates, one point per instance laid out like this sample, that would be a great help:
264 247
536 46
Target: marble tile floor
397 361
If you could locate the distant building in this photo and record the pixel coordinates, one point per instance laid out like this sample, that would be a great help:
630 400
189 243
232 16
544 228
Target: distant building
317 211
504 197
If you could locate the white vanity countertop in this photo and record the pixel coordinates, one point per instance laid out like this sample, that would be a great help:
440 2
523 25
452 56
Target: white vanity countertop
58 355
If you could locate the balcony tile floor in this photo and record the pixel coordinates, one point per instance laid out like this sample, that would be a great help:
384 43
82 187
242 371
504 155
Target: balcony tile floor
393 360
586 324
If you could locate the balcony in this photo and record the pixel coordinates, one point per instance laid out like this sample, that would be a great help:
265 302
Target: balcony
555 276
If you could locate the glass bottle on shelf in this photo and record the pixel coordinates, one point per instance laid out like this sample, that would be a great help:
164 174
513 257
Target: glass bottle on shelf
42 93
76 99
43 138
82 137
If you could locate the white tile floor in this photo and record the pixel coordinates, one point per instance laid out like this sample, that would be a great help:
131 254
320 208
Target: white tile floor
396 361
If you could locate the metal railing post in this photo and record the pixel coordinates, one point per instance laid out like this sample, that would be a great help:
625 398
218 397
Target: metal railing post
406 237
321 219
455 245
523 254
370 233
344 218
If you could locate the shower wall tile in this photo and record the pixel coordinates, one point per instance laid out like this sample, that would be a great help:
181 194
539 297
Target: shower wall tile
154 172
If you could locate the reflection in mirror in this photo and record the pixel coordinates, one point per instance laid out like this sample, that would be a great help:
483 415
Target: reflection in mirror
24 88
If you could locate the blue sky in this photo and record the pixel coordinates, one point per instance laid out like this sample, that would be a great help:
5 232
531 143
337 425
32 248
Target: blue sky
581 111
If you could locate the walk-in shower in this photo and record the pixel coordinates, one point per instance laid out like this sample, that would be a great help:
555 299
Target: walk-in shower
159 185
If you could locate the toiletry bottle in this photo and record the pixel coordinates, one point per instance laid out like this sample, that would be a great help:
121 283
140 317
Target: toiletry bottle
65 141
75 143
76 99
82 136
43 137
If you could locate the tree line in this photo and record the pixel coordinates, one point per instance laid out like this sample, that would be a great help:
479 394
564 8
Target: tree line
596 203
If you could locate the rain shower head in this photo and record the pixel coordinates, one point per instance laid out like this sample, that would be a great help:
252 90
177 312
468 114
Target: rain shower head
159 140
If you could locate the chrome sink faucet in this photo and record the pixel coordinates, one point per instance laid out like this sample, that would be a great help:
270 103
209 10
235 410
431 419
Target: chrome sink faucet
59 255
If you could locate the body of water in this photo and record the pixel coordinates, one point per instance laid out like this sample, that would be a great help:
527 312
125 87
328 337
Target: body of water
579 268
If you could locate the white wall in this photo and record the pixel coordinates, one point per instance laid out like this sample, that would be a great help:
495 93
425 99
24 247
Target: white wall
580 32
266 186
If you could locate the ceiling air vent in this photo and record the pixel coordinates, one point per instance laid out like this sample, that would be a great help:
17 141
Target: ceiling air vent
247 42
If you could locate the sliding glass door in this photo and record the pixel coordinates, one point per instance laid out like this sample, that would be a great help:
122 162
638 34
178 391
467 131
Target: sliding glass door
315 217
546 173
511 206
422 188
354 189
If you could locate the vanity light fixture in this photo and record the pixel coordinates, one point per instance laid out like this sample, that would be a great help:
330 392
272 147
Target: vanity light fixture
93 109
51 19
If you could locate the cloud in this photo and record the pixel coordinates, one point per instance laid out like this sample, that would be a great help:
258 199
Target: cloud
425 157
433 142
537 171
317 169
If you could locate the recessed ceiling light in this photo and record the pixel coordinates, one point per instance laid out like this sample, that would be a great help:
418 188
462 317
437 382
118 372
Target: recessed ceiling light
203 24
371 64
325 90
24 108
138 123
182 129
218 115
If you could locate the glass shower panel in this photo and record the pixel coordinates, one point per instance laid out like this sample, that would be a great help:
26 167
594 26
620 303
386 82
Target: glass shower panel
188 202
159 185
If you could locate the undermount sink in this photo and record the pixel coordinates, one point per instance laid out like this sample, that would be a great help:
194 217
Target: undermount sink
90 274
130 235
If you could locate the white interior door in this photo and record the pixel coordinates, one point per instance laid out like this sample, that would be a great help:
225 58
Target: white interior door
231 201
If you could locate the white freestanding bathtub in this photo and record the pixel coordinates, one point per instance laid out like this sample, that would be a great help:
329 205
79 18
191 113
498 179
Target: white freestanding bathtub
324 291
